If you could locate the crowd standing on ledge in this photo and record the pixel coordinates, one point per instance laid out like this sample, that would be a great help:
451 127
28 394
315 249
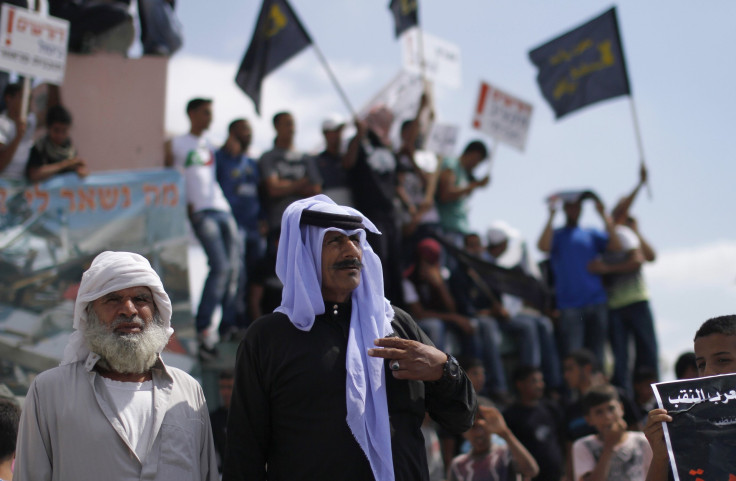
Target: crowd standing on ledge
538 371
553 356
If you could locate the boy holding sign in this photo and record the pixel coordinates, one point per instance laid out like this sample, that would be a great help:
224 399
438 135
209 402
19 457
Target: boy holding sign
715 353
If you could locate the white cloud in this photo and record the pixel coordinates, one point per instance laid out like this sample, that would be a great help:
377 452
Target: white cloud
708 265
687 287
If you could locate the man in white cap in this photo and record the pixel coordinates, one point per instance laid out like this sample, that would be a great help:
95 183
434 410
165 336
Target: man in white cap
334 167
335 383
534 332
112 408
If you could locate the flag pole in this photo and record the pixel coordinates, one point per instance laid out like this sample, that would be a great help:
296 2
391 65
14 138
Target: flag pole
26 93
422 61
639 143
333 79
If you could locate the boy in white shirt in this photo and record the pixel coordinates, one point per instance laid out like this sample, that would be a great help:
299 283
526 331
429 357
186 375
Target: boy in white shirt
613 453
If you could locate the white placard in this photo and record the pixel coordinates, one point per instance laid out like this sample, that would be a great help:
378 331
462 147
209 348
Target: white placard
442 139
441 58
32 44
502 116
402 95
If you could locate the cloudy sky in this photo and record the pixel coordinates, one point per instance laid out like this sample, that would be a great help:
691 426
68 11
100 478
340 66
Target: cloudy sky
681 66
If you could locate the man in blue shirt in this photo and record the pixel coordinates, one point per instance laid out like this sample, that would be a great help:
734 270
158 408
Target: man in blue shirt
581 297
238 176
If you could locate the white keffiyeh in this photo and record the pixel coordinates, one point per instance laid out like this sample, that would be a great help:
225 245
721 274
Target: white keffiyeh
110 272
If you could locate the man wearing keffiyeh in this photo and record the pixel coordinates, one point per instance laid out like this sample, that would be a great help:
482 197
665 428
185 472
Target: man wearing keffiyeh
335 383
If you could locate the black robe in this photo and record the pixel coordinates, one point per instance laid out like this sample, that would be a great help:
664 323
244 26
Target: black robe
288 413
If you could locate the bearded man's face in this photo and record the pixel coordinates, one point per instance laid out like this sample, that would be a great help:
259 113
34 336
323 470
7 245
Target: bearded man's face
126 330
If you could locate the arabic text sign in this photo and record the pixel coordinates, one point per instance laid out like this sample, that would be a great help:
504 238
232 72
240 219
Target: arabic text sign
51 231
32 44
442 139
441 58
701 438
402 96
502 116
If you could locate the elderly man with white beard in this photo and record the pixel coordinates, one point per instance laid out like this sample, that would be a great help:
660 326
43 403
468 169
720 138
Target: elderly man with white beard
112 408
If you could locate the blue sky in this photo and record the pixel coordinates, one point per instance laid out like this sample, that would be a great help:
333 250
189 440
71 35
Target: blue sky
681 67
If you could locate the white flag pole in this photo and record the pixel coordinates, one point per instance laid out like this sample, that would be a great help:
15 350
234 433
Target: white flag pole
639 143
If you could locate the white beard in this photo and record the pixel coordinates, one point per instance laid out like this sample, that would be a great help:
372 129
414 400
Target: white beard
132 353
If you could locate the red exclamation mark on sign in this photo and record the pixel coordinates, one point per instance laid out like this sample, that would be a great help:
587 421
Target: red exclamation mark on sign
481 103
11 14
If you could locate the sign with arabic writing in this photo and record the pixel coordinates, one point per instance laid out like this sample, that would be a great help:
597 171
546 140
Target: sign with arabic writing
701 439
442 60
49 234
502 116
33 44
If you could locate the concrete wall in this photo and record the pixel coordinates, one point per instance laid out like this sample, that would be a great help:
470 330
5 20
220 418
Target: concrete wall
118 108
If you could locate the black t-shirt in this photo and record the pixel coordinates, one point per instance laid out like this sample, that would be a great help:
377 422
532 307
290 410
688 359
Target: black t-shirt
539 429
374 179
330 168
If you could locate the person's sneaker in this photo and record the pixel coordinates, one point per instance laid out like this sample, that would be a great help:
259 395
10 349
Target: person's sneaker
207 354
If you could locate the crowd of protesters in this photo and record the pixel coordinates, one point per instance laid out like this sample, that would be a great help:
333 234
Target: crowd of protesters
559 390
534 363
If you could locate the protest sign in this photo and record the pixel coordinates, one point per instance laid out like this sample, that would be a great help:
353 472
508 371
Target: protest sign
502 116
442 139
441 58
701 439
402 96
32 44
51 231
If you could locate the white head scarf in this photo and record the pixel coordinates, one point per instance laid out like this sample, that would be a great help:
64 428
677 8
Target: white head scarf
110 272
298 266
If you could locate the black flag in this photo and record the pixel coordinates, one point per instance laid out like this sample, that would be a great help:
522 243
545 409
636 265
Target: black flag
405 14
510 281
278 36
583 66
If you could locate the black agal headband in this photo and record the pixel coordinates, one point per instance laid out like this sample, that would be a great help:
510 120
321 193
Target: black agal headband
327 219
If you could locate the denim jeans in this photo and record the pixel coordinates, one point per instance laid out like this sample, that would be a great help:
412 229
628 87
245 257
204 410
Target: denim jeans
535 338
585 326
632 321
253 247
488 349
161 31
218 234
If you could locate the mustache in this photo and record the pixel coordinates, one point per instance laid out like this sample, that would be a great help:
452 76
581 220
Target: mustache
137 320
347 264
